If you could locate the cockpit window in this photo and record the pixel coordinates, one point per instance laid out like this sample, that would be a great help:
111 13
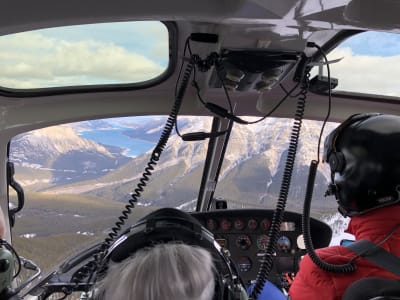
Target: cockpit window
121 53
369 64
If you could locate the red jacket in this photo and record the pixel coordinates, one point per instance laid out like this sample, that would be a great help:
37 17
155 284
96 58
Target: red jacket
313 283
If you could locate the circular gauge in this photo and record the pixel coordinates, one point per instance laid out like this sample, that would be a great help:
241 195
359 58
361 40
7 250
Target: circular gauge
265 223
243 241
262 242
252 224
239 224
300 242
284 243
244 264
211 224
226 224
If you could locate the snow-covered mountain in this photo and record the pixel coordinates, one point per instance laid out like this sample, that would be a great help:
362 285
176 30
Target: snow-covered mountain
59 153
338 224
254 162
44 145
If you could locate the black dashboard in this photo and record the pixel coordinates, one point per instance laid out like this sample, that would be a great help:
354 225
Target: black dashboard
244 233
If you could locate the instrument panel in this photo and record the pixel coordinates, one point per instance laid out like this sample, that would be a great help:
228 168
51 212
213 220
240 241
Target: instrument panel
245 232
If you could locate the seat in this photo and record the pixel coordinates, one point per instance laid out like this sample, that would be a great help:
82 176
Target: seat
373 288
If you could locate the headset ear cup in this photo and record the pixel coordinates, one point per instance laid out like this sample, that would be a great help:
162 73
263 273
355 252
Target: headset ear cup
337 162
234 291
241 293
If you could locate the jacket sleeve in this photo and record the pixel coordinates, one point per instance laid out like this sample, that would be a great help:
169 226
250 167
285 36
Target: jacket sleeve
312 283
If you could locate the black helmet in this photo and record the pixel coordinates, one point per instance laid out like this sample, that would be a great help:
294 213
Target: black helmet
364 156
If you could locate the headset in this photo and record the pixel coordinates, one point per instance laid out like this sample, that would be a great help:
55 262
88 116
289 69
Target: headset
336 158
172 225
6 268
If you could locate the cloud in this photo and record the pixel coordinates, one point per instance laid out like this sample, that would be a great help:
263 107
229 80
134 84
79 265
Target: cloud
142 37
366 73
31 60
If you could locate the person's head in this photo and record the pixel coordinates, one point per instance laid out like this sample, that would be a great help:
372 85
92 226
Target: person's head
169 254
363 154
164 271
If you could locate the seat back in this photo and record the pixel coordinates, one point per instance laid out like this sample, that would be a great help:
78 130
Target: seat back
373 288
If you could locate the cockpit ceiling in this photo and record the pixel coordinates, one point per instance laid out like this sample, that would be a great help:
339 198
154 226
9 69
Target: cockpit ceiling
285 18
285 25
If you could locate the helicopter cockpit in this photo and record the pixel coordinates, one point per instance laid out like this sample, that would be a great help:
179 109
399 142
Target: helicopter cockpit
111 111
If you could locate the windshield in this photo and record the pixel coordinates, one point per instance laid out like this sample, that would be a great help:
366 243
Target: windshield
77 177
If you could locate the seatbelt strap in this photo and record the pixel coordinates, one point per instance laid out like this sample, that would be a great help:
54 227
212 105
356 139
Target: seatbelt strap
376 255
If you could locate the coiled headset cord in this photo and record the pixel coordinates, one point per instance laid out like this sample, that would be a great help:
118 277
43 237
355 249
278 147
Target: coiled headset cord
343 268
93 266
277 218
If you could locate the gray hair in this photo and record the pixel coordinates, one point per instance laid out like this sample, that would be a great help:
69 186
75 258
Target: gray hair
165 271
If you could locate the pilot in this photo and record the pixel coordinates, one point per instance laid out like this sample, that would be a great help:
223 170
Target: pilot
363 155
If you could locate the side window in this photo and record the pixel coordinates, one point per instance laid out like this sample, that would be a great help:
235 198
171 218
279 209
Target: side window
119 53
369 63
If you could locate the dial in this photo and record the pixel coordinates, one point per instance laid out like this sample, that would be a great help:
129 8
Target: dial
284 243
300 242
239 224
244 264
265 223
252 224
211 224
243 241
262 242
226 224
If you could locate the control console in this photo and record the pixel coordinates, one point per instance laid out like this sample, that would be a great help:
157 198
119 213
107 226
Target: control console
244 233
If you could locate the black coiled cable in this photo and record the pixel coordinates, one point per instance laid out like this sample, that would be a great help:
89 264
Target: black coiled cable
277 218
92 267
343 268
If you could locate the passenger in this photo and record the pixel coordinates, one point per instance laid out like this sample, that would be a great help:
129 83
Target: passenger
165 271
166 255
363 154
